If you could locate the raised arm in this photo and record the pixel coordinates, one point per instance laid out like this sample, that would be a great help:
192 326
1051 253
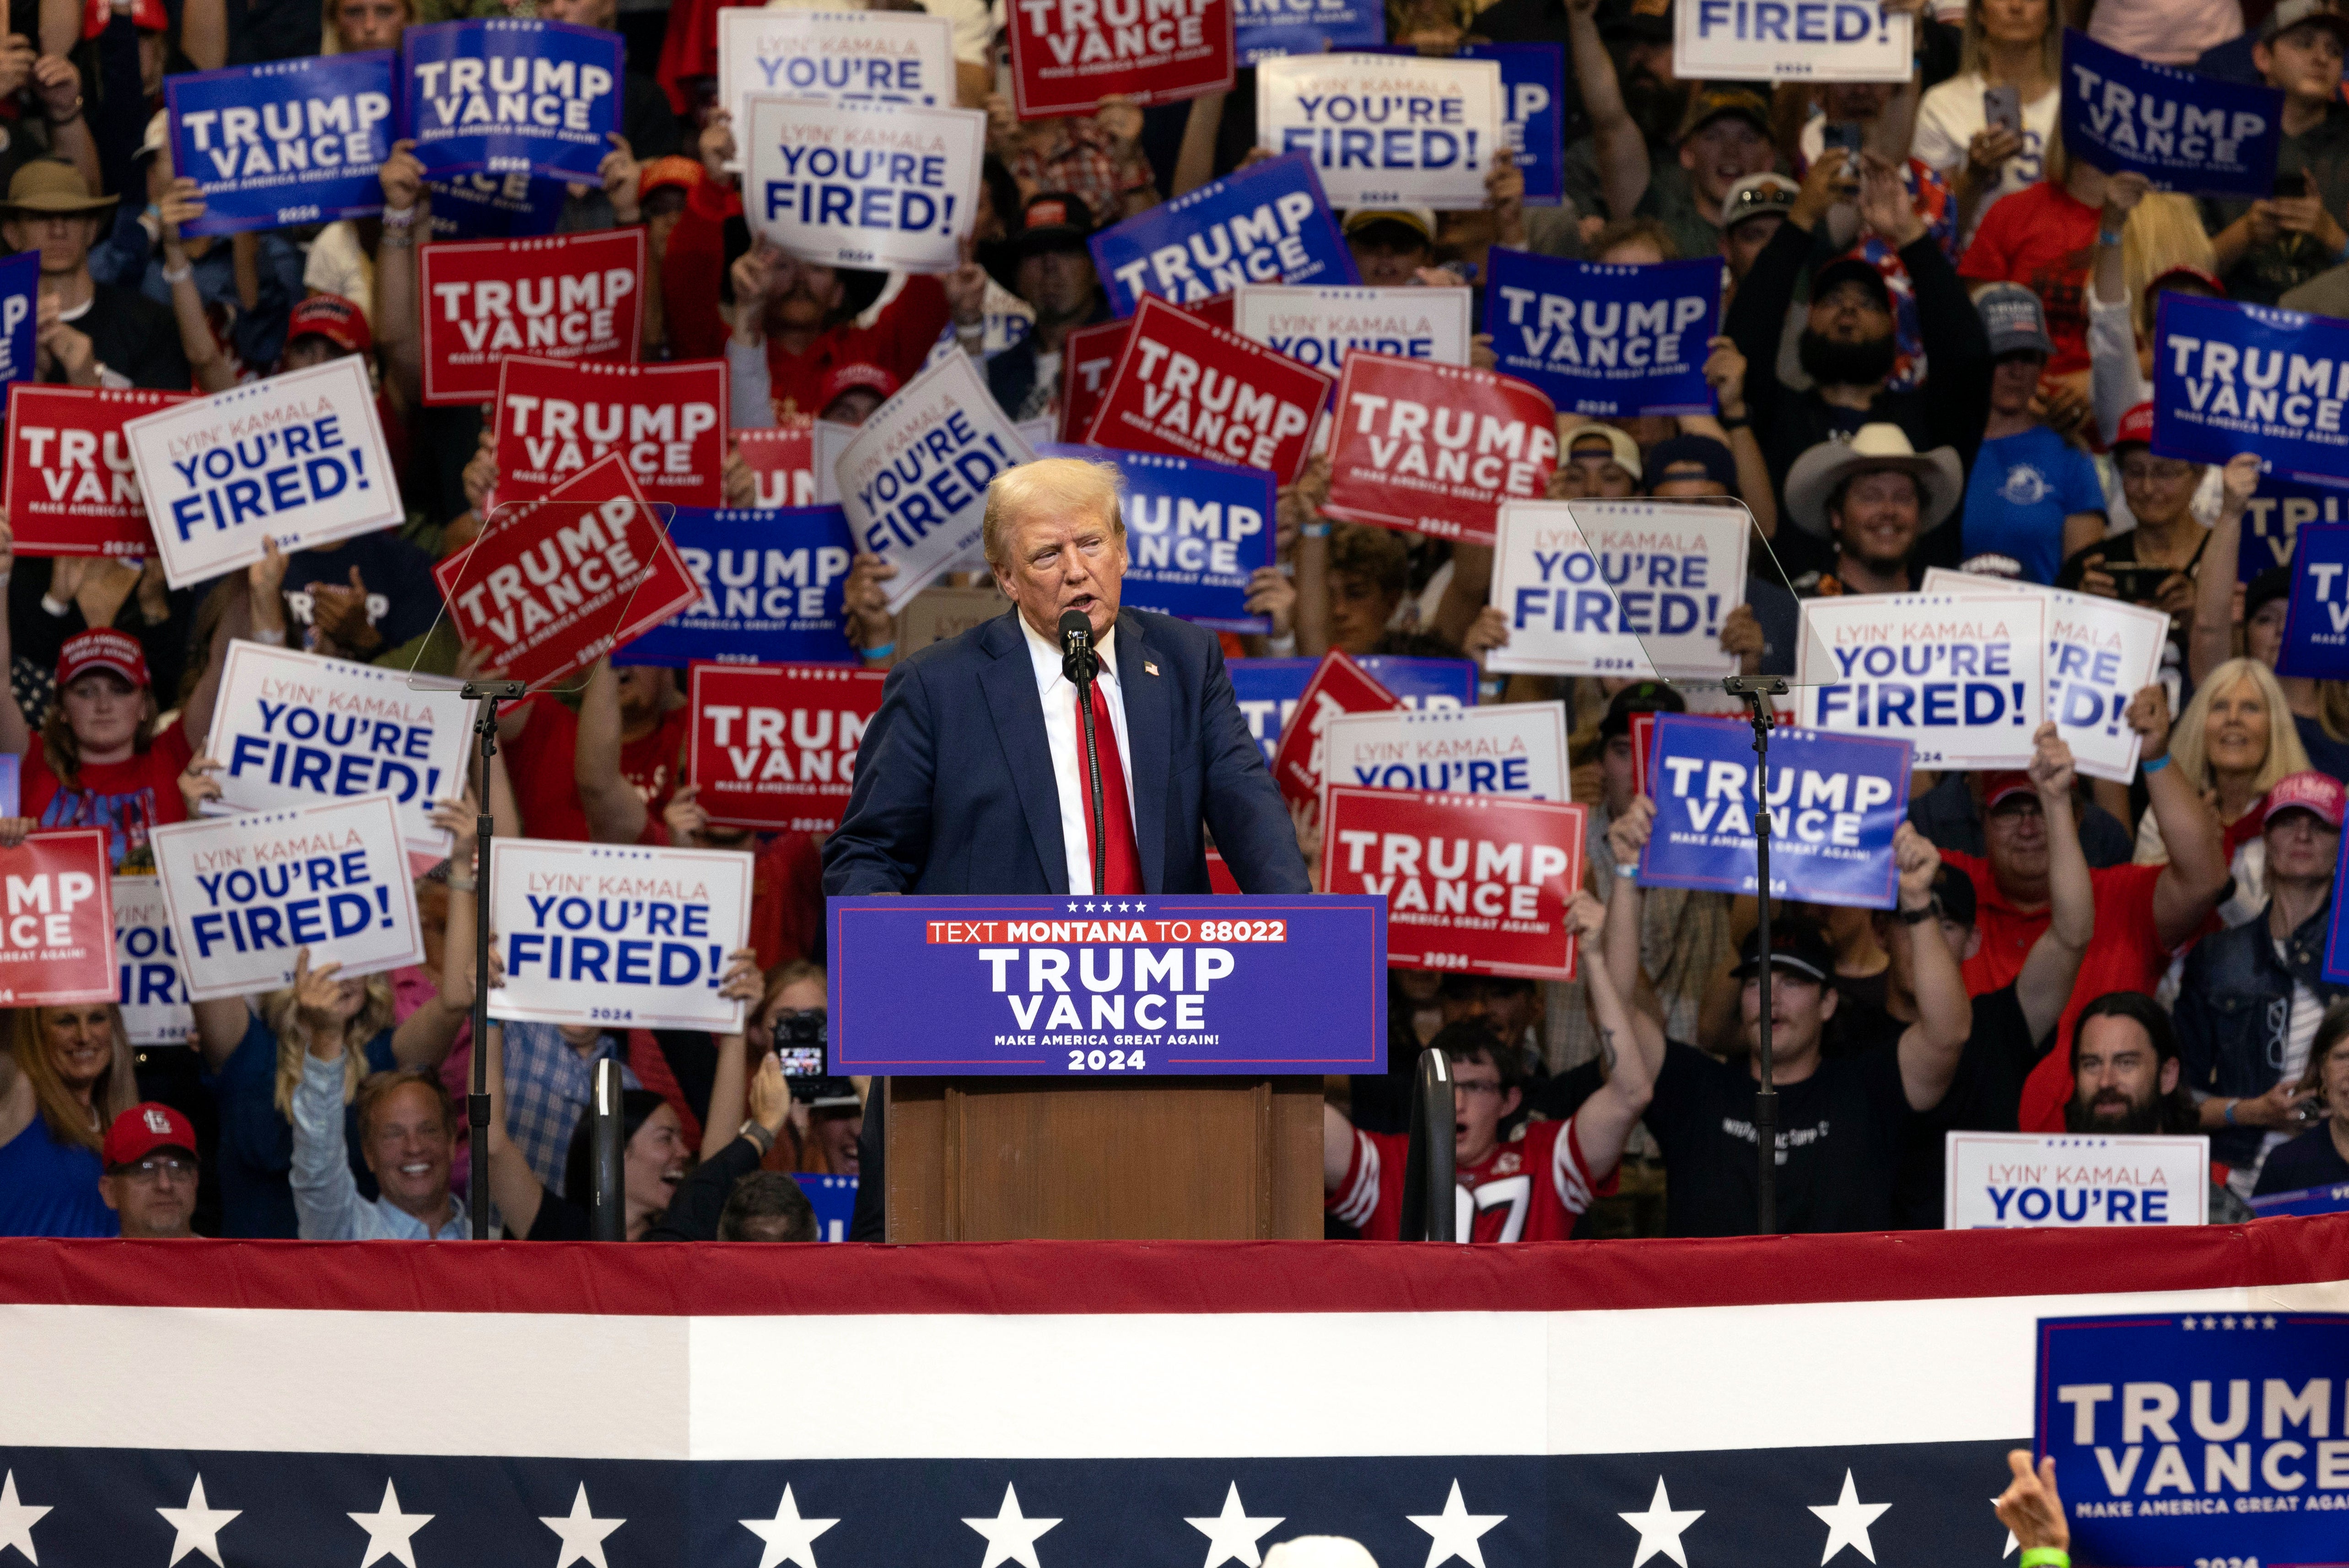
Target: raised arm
1627 840
616 812
514 1187
1757 313
729 1084
2052 965
16 734
1630 1045
1622 147
326 1202
1930 1047
399 312
2211 643
424 1037
2197 876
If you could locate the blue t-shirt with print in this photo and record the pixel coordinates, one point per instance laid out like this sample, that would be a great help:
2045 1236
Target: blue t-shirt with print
2021 490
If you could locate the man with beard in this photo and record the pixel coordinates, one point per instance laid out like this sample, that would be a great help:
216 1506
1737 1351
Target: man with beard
1054 274
1848 347
1874 496
1632 102
2126 1073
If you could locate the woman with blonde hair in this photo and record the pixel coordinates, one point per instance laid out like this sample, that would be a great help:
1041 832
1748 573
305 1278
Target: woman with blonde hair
67 1075
2007 44
2234 741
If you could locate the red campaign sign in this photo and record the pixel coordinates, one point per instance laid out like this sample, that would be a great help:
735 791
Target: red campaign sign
1643 743
1435 449
573 297
557 582
554 417
781 461
57 930
1339 685
71 488
1069 55
1475 884
774 747
1186 387
1088 356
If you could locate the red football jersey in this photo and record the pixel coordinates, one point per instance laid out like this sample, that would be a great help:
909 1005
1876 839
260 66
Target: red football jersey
1530 1190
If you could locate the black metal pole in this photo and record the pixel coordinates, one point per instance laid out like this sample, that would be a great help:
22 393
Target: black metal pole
1430 1211
607 1217
488 695
1756 690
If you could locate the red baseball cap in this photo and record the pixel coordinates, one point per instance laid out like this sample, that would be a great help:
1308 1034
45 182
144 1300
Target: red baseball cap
142 1130
2189 275
333 318
846 379
148 15
1998 787
2318 793
102 649
2135 427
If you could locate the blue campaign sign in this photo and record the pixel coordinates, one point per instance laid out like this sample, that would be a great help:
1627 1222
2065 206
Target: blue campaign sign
1533 91
833 1199
291 142
495 206
1269 689
1121 987
2273 517
20 287
2183 1438
1266 29
772 589
1608 341
2316 623
1266 224
2305 1201
2182 131
2229 378
510 96
1194 532
1834 803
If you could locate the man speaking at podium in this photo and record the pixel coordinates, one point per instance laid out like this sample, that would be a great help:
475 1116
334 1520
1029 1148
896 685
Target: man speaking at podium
974 775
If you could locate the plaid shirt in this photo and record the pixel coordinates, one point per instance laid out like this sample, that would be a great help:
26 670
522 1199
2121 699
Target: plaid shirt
1084 169
547 1087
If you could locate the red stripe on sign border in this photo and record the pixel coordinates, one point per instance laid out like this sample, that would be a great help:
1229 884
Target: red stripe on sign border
1041 1277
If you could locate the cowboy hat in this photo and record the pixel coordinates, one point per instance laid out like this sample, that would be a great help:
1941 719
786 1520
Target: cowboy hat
1820 472
52 185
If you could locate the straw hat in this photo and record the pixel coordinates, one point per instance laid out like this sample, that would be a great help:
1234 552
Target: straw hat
52 185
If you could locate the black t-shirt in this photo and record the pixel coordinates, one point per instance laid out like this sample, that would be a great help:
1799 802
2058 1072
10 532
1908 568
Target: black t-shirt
135 337
1984 1097
2312 1160
1841 1132
403 599
560 1220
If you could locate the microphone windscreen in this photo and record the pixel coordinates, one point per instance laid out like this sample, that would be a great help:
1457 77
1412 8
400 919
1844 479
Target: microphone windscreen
1075 625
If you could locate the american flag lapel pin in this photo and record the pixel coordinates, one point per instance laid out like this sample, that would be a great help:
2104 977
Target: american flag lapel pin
1149 667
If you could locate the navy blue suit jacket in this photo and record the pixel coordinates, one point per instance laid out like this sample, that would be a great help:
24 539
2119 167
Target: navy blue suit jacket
953 779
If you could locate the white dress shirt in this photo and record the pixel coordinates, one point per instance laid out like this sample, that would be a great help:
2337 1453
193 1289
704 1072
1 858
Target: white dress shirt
1067 755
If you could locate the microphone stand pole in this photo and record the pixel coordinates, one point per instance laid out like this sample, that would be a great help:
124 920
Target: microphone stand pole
1755 691
488 693
1079 662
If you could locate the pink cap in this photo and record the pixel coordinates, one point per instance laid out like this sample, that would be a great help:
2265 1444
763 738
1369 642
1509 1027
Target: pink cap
2307 791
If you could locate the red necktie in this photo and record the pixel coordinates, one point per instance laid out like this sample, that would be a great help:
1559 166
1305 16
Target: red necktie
1121 861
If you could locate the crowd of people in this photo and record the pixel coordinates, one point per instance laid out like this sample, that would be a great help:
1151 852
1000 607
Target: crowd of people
1934 351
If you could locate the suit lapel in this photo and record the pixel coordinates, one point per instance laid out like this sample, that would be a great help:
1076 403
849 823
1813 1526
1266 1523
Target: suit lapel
1148 719
1009 683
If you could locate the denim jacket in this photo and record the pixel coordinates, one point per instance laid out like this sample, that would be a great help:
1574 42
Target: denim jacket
2233 1014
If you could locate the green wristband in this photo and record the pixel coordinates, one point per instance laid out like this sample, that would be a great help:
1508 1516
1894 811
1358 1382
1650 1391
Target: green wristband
2046 1557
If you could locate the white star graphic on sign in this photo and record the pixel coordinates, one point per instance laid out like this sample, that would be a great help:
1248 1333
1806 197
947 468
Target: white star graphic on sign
17 1518
2267 1323
1455 1532
1232 1535
1011 1536
1660 1527
2011 1541
197 1525
2227 1322
390 1532
789 1538
2210 1323
583 1533
1847 1520
1073 906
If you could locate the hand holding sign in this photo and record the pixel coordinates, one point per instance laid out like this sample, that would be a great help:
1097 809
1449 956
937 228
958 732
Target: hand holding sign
2148 715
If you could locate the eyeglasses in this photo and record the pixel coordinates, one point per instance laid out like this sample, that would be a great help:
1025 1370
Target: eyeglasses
2155 471
155 1168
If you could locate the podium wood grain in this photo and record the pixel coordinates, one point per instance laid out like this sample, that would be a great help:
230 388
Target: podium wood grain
996 1160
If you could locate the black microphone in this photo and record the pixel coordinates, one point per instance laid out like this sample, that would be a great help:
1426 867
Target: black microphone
1078 660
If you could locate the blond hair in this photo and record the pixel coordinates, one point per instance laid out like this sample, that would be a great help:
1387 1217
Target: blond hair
1051 484
2165 233
1973 56
115 1090
2191 748
280 1012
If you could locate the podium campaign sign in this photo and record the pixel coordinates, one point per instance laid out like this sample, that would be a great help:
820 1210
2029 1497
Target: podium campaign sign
572 297
2100 653
2182 131
284 142
2208 405
1267 223
1269 690
774 747
1068 54
511 96
1318 326
1515 749
773 587
71 487
1195 533
913 481
1836 802
1435 449
292 729
1643 590
298 458
153 995
601 570
556 417
1474 886
1386 130
56 933
618 934
247 893
855 184
1814 40
1339 685
1605 340
843 55
1962 678
1177 984
2064 1180
1186 387
2116 1403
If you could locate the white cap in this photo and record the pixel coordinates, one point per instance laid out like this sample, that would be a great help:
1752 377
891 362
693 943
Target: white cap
1320 1552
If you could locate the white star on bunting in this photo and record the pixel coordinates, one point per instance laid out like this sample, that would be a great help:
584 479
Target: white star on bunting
197 1527
1011 1536
1659 1527
17 1518
2011 1543
789 1538
1847 1520
583 1533
1455 1532
390 1532
1232 1535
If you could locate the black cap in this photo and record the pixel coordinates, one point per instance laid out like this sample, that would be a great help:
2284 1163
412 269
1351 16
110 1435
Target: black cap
1053 221
1955 891
1795 946
1854 269
1641 697
1720 463
1639 27
2269 586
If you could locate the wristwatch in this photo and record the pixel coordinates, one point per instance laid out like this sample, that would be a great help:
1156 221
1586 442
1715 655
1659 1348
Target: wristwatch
1918 916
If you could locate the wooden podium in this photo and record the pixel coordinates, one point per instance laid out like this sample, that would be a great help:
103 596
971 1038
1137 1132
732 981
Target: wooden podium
1016 1159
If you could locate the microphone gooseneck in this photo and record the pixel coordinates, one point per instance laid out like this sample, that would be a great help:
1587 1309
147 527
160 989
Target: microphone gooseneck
1081 664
